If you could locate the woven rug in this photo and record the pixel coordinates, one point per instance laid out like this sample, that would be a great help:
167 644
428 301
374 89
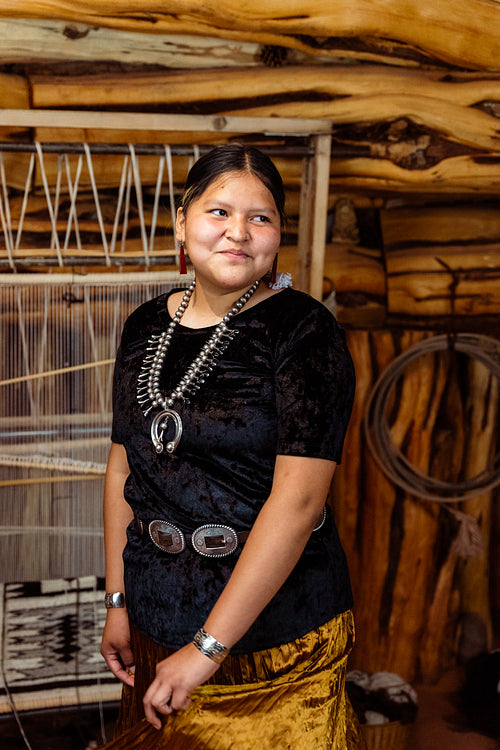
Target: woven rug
50 641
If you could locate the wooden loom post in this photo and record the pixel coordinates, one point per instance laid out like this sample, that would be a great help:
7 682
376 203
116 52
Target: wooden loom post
313 213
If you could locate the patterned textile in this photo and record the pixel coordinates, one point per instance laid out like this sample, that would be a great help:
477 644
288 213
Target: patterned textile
50 641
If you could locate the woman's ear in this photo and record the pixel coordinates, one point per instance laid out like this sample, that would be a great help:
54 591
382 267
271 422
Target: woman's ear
180 225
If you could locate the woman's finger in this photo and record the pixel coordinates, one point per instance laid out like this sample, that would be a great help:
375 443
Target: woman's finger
115 664
156 701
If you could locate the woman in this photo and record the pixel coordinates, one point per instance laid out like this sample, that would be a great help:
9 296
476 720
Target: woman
231 402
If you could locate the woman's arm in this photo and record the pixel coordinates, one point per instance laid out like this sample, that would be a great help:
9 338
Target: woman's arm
115 647
274 546
278 537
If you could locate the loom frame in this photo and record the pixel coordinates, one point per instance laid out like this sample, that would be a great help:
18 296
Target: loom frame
316 159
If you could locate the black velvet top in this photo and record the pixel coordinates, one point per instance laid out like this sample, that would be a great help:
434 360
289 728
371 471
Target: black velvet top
284 385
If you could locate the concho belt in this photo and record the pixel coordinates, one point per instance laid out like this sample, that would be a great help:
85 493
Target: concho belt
209 540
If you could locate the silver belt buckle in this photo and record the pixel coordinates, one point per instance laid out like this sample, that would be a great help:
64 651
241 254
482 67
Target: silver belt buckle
167 537
214 541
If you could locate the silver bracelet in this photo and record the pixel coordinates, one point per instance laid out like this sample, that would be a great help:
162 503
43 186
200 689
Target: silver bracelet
209 646
114 601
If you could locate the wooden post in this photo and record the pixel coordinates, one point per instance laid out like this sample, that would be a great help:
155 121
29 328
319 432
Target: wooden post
313 213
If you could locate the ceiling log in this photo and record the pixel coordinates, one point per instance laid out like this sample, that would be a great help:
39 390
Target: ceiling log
442 33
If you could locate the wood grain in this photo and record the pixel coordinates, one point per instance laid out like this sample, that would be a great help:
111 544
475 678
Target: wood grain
441 33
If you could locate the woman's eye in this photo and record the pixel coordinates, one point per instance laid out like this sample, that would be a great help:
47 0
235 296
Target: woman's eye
218 212
261 219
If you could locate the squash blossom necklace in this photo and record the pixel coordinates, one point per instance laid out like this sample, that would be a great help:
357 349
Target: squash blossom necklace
148 385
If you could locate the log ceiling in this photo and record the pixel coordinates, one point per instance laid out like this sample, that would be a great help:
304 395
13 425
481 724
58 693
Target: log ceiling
413 93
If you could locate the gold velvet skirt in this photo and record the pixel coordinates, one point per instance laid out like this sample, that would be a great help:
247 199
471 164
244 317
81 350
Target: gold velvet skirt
291 697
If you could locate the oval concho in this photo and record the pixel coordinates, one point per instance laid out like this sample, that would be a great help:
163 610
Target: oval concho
214 541
167 537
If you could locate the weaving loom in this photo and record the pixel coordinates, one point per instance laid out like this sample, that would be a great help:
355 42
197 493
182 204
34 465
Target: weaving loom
87 236
59 341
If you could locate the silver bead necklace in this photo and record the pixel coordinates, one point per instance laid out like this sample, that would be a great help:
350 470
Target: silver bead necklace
148 385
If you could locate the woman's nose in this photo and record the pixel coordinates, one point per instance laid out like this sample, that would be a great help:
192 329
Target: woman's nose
237 229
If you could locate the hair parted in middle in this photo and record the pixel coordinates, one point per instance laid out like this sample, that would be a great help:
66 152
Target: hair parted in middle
233 158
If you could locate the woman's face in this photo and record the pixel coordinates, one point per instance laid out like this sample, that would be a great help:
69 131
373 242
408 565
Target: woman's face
231 232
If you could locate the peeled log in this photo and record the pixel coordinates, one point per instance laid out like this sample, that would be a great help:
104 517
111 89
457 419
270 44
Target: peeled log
29 41
442 261
418 131
345 95
409 33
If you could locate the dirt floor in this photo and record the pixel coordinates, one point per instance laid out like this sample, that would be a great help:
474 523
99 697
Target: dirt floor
441 723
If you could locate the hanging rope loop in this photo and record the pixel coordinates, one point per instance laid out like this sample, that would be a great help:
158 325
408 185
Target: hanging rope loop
390 458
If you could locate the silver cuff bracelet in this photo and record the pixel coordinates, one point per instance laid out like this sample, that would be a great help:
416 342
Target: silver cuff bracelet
209 646
114 601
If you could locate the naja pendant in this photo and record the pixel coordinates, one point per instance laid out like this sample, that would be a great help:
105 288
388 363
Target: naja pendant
159 424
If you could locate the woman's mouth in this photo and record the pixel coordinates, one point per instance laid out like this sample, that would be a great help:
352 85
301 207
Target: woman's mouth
234 253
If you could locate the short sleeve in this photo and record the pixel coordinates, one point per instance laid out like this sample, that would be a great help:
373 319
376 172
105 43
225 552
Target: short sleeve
123 378
315 385
117 435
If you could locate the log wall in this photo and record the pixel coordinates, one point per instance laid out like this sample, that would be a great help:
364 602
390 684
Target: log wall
412 588
442 260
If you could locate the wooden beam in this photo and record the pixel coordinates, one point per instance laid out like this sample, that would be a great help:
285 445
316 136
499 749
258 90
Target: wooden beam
162 123
335 87
439 33
28 41
394 130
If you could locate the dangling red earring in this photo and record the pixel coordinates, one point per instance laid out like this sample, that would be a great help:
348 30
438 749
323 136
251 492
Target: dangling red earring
274 269
182 260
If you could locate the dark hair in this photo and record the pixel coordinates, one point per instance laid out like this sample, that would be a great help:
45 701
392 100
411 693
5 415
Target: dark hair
233 158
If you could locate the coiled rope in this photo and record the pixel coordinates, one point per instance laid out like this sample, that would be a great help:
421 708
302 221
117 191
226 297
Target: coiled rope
389 457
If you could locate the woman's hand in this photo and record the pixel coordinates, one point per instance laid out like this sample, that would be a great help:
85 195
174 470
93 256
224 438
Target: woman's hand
176 677
115 646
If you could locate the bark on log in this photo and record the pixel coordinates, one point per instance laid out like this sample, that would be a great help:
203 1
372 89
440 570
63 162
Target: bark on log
439 34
